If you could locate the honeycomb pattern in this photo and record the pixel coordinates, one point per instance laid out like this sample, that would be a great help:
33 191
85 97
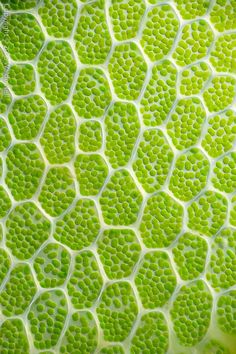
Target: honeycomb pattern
117 177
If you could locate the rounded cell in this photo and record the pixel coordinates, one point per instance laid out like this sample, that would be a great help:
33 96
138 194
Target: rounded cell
13 337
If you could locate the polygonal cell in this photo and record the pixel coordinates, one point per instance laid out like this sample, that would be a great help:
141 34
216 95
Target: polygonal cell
90 136
3 64
125 16
155 280
194 78
18 291
5 202
21 79
58 138
226 313
119 252
92 93
221 270
52 265
160 29
79 227
91 172
5 136
220 93
112 349
85 283
207 213
159 94
5 263
58 191
161 221
233 211
222 15
189 255
26 116
56 68
224 172
16 5
122 129
81 335
5 98
92 37
13 338
25 168
117 311
58 16
185 124
222 56
220 134
152 160
120 200
47 317
151 335
213 346
194 43
127 70
23 30
189 175
26 230
191 312
189 10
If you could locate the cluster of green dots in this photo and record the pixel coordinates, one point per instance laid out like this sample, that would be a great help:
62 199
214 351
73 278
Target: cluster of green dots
91 172
5 202
119 252
189 255
18 291
195 41
222 56
160 30
90 136
189 175
58 137
3 63
5 136
16 5
159 94
25 168
161 221
47 317
56 68
222 15
220 93
52 265
21 79
226 313
185 124
152 160
207 213
85 283
189 10
92 37
92 93
26 117
26 230
5 264
224 177
58 17
191 312
127 69
220 134
194 78
58 191
13 338
233 211
151 335
5 98
221 270
117 311
125 17
155 280
24 31
122 129
81 334
112 349
120 200
79 227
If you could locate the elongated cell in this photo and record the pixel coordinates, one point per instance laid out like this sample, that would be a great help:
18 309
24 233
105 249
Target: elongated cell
5 263
5 136
5 98
222 55
13 338
5 202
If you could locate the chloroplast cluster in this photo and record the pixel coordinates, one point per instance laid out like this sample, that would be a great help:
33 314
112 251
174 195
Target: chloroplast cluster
117 177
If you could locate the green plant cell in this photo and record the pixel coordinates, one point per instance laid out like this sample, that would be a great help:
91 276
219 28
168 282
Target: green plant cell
5 263
13 338
222 56
16 5
189 10
226 313
222 15
3 64
5 136
21 79
194 78
5 202
5 98
224 173
90 136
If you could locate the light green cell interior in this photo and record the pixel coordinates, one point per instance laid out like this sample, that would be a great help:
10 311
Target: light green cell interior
117 177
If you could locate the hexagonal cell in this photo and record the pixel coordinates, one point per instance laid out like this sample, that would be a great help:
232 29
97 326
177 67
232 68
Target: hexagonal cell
21 79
